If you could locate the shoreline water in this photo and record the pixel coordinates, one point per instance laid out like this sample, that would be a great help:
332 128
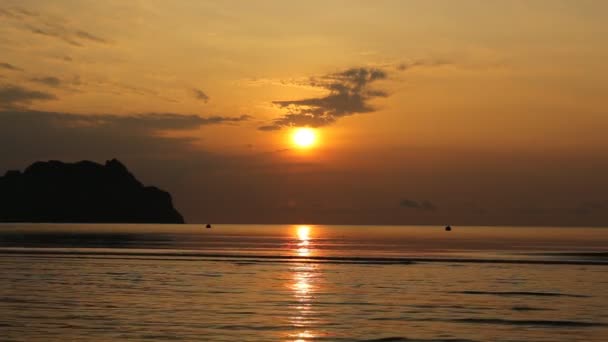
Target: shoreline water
302 283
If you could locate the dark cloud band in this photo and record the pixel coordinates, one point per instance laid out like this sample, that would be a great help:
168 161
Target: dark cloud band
11 95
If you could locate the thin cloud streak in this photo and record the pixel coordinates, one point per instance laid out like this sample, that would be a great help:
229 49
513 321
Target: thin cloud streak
9 66
48 81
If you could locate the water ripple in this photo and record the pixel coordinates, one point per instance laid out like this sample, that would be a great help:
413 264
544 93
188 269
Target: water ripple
521 293
527 322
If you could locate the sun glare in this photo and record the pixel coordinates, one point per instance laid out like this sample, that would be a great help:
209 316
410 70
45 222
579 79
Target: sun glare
304 233
304 137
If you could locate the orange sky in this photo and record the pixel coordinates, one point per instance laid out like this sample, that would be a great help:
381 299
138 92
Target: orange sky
426 111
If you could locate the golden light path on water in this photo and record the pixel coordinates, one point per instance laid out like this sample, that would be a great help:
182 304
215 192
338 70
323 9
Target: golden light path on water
303 233
303 287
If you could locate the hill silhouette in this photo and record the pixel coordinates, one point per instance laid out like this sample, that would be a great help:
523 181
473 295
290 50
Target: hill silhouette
83 192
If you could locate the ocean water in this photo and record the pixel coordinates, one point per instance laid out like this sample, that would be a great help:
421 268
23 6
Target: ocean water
302 283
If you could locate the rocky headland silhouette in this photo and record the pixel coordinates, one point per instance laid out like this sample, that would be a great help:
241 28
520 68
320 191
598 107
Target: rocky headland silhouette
82 192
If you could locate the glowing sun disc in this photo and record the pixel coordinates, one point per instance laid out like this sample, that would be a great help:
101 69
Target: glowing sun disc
304 137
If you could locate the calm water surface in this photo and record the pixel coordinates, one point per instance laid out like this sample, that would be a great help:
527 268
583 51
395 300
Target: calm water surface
302 283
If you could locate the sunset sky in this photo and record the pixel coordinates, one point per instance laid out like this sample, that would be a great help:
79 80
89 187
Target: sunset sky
425 112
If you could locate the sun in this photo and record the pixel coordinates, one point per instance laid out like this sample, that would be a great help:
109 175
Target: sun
304 137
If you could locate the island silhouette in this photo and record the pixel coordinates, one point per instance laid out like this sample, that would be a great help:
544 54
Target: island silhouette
82 192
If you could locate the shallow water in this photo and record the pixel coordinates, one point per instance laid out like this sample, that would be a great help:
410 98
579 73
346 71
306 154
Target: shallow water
302 283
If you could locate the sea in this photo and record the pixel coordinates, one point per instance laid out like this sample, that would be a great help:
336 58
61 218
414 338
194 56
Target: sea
119 282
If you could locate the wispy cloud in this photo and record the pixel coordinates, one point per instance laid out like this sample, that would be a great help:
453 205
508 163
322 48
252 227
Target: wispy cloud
90 37
9 66
199 94
349 94
56 28
11 95
422 63
76 83
417 205
48 81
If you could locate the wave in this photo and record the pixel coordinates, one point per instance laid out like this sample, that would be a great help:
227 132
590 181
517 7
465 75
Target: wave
527 322
405 339
190 255
501 321
521 293
574 254
528 308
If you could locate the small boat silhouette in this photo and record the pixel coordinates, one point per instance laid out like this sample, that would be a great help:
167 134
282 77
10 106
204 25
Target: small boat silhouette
208 225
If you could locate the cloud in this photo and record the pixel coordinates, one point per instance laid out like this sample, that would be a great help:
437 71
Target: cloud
11 67
422 63
76 83
55 33
30 135
16 13
422 205
269 128
221 119
90 37
199 94
56 28
11 95
150 122
49 81
349 94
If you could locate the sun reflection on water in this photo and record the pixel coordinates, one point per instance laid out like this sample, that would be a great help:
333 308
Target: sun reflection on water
303 233
303 243
303 287
303 252
303 336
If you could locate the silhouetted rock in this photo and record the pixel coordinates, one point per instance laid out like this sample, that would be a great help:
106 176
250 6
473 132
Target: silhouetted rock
82 192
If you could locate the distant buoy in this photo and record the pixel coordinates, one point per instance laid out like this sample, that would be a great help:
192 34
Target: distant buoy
208 225
448 228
